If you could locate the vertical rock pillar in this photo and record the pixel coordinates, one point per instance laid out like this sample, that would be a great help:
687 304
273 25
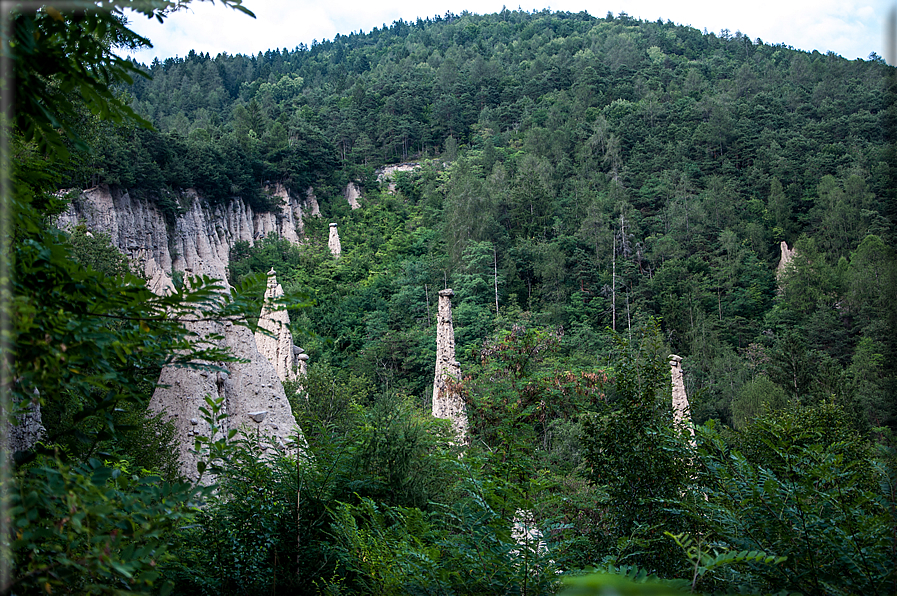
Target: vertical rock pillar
333 242
681 410
447 402
279 350
787 257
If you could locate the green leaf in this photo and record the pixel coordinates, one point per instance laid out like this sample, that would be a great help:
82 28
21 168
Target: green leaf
101 476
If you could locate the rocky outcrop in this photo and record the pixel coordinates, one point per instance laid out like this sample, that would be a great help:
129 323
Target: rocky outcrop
198 242
251 394
786 258
352 194
681 409
333 243
27 430
447 402
289 222
137 228
387 173
311 201
278 347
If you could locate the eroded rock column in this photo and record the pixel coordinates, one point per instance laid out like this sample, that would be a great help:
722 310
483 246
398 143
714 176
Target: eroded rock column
447 402
787 257
681 409
278 347
333 243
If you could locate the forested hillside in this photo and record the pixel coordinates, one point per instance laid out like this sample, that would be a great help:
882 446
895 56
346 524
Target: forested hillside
600 171
599 193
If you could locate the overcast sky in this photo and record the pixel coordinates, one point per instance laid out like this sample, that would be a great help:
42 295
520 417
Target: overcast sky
851 28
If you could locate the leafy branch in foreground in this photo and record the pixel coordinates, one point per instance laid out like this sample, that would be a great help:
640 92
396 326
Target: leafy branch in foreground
803 486
707 558
623 581
215 449
92 530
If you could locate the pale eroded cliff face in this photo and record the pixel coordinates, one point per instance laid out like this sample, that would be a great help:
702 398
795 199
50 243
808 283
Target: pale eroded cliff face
387 173
784 261
251 394
311 203
199 243
352 194
200 240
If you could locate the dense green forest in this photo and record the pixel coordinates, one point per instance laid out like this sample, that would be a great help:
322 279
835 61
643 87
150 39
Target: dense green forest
599 193
556 148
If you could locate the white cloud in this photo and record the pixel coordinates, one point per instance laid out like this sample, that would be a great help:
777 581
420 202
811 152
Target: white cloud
850 28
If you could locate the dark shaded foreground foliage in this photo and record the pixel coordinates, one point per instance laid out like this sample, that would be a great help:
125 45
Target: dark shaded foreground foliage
88 510
90 529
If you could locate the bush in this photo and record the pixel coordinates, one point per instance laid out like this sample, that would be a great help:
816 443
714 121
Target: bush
808 488
387 454
244 540
464 548
639 464
753 397
89 529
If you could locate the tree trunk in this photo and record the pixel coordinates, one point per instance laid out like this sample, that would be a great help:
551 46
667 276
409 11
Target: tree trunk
613 287
495 276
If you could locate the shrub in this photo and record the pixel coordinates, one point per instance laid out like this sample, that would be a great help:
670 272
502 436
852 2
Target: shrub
808 488
89 529
243 541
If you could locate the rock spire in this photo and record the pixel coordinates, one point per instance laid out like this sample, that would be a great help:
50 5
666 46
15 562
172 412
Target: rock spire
278 347
681 409
447 402
787 257
352 194
333 243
